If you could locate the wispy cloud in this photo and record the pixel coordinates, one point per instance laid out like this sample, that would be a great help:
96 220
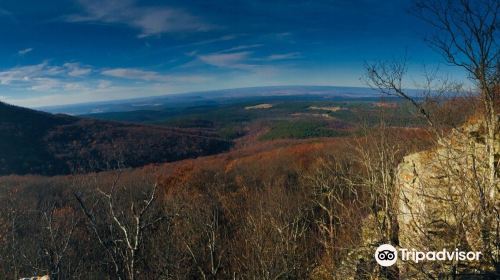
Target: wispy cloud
76 69
74 76
216 40
242 47
45 84
284 56
57 84
103 84
80 94
23 52
74 82
134 74
43 76
236 60
223 38
24 73
150 76
148 20
244 60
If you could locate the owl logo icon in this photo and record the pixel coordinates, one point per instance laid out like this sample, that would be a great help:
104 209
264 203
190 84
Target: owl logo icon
386 255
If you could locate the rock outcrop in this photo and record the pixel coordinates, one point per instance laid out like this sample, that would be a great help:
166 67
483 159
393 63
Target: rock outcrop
441 204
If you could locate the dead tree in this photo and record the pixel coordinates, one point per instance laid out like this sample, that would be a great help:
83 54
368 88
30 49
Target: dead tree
120 227
210 267
58 233
377 155
335 199
466 35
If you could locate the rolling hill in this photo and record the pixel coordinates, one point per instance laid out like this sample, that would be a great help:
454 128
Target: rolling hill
33 142
214 97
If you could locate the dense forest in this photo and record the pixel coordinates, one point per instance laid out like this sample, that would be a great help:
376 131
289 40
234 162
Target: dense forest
255 213
35 142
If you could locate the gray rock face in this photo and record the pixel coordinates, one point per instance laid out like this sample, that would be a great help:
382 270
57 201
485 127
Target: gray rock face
440 200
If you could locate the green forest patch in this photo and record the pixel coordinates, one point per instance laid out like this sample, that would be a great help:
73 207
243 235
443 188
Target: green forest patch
300 129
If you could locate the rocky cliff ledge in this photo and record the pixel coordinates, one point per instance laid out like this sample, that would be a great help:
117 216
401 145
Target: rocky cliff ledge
440 192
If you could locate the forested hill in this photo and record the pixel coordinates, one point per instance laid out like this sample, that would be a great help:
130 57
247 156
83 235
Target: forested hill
33 142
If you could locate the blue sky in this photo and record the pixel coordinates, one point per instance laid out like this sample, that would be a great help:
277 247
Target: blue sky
71 51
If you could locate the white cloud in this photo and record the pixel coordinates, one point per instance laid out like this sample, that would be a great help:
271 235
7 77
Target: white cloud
73 77
43 75
235 60
224 38
246 60
103 84
76 70
243 60
45 84
151 76
134 74
23 73
242 47
48 84
149 20
284 56
24 51
87 93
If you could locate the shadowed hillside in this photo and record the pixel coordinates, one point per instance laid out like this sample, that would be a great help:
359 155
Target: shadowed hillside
42 143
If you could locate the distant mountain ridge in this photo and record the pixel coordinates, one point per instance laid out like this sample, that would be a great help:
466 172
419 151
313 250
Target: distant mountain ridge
204 97
34 142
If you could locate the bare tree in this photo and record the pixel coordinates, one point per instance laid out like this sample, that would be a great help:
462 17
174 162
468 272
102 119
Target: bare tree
58 230
274 237
378 160
336 202
466 35
9 220
120 226
210 267
388 77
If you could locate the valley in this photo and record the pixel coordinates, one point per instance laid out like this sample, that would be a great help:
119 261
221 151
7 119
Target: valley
33 142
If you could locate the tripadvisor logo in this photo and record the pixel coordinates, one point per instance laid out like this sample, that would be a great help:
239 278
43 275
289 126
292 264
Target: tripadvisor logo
387 255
